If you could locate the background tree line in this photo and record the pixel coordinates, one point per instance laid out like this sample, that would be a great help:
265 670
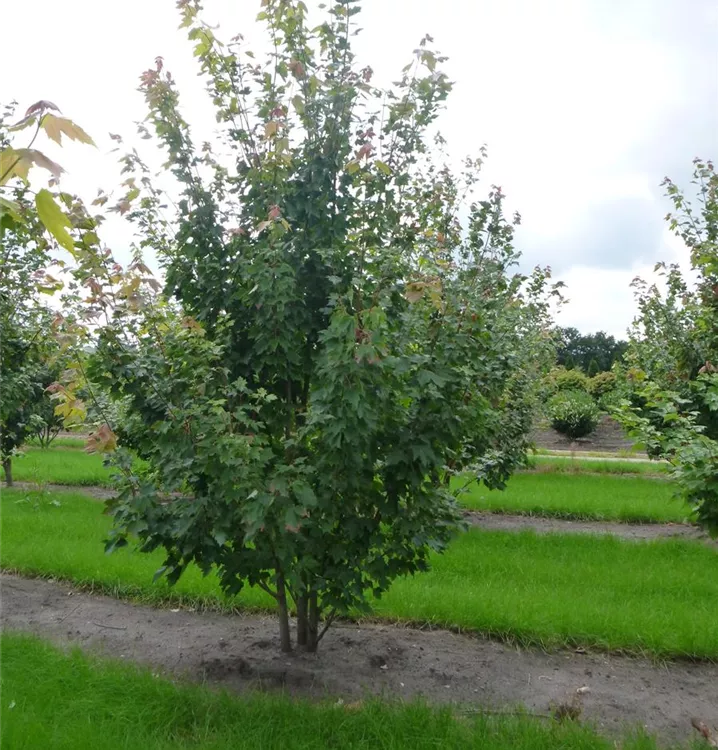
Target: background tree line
590 352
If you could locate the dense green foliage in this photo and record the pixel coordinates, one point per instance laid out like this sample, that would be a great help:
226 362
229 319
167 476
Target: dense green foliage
602 384
561 379
592 353
333 345
671 373
573 413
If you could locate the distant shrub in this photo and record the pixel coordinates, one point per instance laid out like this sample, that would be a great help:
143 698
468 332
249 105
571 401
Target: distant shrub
561 379
593 368
573 413
601 384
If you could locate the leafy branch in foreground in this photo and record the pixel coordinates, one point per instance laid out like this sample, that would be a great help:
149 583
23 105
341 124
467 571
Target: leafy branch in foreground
672 362
32 226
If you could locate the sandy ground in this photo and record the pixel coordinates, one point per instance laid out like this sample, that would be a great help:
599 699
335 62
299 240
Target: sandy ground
240 652
637 531
99 493
608 436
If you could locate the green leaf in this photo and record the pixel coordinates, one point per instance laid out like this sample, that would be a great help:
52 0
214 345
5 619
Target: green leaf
26 122
54 219
304 493
298 103
14 163
56 127
10 207
382 167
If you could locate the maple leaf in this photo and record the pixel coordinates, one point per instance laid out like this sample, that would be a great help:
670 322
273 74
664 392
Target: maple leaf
56 127
270 129
415 291
55 220
41 106
103 440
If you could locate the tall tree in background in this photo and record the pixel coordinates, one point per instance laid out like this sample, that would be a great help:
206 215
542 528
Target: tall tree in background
574 349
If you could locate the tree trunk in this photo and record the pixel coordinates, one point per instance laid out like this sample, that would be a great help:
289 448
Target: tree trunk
302 624
313 623
285 635
7 468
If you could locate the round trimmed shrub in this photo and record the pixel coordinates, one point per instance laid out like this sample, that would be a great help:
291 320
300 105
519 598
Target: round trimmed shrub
561 379
573 413
601 384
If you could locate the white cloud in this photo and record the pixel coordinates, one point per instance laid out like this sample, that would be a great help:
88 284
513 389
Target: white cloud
585 105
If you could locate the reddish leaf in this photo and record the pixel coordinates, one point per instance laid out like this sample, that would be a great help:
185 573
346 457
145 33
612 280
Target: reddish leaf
42 106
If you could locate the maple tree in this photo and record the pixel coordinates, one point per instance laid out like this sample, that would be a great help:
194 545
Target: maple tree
335 355
671 373
32 226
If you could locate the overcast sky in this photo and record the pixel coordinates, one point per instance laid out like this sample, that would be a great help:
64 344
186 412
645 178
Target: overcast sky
585 106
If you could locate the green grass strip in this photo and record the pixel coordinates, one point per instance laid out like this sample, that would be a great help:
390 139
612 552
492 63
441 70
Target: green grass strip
60 465
72 701
659 598
76 443
575 496
577 465
558 487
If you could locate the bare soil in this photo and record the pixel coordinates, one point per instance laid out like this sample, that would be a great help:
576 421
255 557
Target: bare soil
637 531
99 493
609 436
242 652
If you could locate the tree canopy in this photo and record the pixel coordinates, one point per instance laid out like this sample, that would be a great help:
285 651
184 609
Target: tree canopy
575 349
334 353
672 371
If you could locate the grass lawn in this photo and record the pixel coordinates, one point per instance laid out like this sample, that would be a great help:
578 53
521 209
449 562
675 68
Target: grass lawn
61 442
59 465
71 701
557 589
577 465
555 488
566 495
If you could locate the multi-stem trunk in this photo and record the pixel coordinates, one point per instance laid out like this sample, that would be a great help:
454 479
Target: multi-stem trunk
308 612
313 623
7 468
285 636
302 625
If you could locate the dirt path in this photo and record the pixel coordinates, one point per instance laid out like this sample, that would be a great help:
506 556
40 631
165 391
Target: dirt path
608 436
242 651
99 493
637 531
